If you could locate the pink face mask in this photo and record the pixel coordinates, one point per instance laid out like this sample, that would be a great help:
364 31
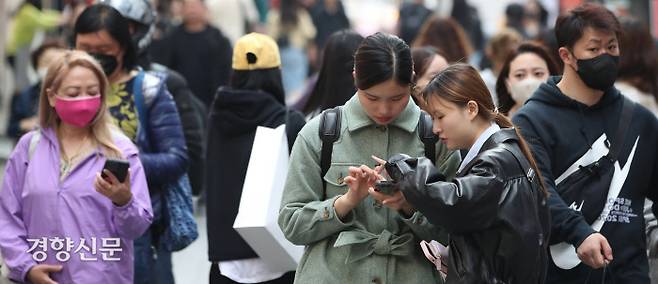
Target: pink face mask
78 111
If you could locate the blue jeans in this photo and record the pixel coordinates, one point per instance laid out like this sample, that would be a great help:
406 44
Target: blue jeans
151 266
294 69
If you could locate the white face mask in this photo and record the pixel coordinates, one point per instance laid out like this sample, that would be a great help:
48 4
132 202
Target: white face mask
42 73
522 90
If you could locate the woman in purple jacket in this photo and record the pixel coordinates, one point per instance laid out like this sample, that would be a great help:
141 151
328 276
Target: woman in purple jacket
61 220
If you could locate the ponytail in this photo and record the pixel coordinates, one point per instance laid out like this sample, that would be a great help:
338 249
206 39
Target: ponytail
460 84
504 122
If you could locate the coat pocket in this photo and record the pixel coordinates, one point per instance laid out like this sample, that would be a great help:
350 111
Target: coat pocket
335 178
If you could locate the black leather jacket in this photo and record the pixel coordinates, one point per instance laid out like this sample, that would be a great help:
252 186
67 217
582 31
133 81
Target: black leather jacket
494 210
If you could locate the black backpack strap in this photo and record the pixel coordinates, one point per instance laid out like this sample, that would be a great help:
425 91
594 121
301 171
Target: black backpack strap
329 133
426 135
521 159
624 121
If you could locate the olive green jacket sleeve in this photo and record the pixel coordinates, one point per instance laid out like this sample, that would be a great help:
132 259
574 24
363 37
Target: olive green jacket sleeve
303 218
447 161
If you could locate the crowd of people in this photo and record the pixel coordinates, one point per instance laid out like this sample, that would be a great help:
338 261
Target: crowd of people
526 156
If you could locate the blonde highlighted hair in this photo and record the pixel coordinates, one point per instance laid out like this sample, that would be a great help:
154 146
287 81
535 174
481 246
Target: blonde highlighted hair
101 128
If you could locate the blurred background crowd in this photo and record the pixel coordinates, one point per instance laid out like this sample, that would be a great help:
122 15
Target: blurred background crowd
195 37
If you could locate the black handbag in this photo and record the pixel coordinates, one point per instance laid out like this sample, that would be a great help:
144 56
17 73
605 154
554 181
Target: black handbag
587 188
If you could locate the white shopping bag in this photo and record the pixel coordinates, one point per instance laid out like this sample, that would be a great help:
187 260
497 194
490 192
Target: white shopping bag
261 197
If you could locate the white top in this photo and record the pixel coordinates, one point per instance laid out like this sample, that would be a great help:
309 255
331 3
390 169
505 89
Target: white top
475 149
644 99
251 270
230 16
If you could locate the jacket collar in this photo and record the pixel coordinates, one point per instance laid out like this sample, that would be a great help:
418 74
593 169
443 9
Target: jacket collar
475 149
50 135
501 136
357 118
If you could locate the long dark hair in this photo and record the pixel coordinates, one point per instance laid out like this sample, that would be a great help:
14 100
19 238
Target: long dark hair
382 57
266 80
100 17
335 83
505 101
638 61
461 83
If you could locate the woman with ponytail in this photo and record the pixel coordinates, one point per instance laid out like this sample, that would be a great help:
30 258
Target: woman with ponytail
495 208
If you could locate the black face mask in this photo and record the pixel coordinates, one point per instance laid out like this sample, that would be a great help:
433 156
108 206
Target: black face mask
108 62
600 72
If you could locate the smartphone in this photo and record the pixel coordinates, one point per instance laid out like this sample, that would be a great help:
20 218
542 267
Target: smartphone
119 169
386 187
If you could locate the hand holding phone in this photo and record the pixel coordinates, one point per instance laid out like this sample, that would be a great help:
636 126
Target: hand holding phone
114 182
119 168
386 187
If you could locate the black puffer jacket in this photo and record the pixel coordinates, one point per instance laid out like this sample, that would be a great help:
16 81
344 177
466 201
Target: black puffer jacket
495 212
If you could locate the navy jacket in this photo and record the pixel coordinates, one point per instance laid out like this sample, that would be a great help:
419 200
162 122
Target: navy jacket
161 142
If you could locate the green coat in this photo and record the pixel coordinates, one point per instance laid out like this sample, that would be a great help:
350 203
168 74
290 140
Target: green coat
374 244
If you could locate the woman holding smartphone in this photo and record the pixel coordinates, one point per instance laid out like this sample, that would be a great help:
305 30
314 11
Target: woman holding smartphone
59 217
495 208
141 106
349 236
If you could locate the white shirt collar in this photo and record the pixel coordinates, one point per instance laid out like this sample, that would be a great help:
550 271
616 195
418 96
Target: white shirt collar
475 149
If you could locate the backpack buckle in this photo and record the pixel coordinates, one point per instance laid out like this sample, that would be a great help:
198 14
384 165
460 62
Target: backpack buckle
530 175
